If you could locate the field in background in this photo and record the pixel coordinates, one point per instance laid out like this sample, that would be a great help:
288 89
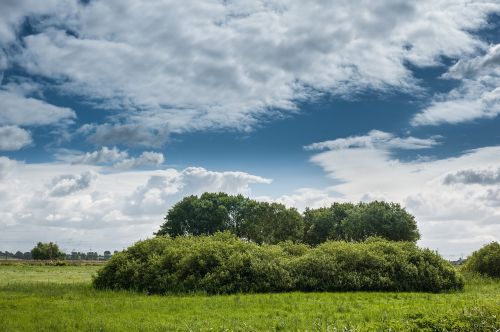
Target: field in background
60 298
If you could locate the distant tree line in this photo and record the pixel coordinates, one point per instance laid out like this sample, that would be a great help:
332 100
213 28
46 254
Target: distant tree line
271 223
16 255
51 251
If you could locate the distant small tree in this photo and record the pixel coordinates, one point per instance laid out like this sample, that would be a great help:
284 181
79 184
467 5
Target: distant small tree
107 254
47 251
18 255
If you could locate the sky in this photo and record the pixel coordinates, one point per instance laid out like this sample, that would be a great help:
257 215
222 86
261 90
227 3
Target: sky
112 111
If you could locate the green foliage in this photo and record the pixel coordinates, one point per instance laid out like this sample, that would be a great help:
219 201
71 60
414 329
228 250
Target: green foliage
485 261
47 251
271 223
349 222
325 223
224 264
260 222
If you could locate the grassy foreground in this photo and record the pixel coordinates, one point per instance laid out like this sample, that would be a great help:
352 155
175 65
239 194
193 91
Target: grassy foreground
60 298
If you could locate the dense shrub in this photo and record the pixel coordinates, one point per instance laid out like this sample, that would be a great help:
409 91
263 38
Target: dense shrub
224 264
485 261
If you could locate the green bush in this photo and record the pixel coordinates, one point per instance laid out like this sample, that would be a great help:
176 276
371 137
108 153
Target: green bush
485 261
47 251
225 264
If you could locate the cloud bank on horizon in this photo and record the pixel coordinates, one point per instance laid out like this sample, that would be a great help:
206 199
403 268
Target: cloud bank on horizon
98 89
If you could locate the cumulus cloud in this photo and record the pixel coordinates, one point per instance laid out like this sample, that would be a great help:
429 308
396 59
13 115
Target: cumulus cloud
477 96
474 176
112 157
375 139
13 13
170 186
114 209
218 64
14 138
64 185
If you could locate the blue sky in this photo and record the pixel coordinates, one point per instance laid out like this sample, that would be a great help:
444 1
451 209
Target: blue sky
112 111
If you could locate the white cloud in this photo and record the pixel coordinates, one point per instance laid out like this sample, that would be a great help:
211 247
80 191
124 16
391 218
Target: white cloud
375 139
17 109
181 66
102 156
6 165
83 206
477 96
112 157
365 172
64 185
13 13
166 188
14 138
147 158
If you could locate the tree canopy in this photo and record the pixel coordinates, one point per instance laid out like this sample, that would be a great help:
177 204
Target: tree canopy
270 223
47 251
259 222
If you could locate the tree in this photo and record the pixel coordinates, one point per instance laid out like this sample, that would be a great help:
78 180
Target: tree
18 255
387 220
325 223
47 251
207 214
271 223
246 218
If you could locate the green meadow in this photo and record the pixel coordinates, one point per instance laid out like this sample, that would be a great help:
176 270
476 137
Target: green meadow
61 298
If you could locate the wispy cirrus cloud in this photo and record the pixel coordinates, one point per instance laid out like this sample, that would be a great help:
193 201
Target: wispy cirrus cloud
375 139
476 97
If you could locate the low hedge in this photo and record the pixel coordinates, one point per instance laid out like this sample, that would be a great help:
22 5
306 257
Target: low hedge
223 263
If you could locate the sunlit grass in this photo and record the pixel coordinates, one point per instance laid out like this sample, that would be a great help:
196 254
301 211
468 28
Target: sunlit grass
60 298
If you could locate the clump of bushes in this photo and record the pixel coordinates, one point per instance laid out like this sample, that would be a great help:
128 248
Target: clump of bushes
222 263
485 260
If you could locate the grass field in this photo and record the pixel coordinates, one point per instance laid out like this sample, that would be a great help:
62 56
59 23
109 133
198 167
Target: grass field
60 298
